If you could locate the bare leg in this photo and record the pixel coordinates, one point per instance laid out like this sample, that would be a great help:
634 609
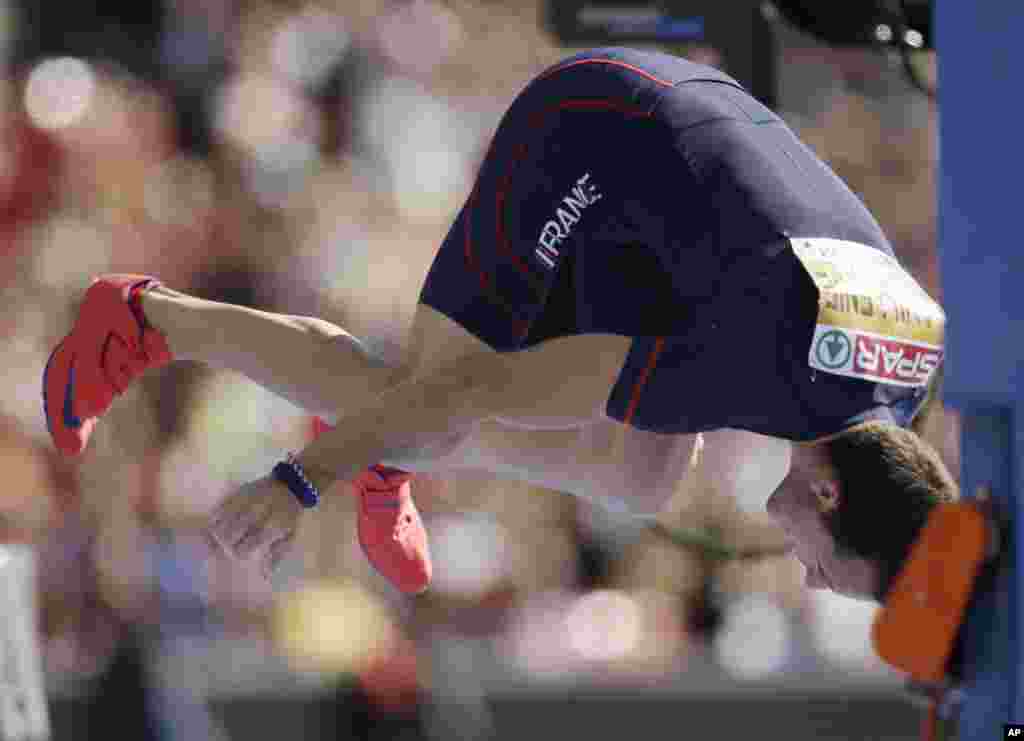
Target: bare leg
325 370
312 363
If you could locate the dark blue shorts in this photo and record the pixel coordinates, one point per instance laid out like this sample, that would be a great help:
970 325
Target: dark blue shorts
626 193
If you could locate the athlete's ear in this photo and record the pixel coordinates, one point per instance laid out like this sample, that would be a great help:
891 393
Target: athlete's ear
827 493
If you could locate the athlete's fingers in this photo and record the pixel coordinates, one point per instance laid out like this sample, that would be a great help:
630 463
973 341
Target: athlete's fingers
275 553
231 527
218 525
224 515
214 542
257 535
241 513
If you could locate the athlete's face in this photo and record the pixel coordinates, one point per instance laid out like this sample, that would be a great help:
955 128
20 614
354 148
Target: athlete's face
798 506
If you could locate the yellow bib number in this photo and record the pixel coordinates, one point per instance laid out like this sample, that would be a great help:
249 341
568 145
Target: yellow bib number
874 321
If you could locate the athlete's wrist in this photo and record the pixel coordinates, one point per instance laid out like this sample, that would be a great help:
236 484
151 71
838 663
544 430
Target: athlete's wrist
167 312
321 478
295 479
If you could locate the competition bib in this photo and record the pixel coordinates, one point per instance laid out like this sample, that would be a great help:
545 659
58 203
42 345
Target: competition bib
874 321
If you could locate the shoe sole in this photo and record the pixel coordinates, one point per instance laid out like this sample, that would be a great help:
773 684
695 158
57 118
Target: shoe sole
69 433
403 585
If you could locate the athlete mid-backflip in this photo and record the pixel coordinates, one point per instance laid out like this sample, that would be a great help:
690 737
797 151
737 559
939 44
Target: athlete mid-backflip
648 254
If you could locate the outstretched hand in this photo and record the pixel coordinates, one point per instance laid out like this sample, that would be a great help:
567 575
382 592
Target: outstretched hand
261 517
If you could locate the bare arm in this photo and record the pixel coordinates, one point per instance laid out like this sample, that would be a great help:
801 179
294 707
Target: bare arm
422 414
428 413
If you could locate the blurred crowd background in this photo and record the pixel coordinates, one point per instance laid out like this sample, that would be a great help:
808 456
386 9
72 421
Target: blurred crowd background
308 158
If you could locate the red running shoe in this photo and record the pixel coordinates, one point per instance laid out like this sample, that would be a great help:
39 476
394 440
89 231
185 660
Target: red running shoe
108 348
390 530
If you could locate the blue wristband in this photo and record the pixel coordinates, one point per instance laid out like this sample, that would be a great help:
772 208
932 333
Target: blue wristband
290 473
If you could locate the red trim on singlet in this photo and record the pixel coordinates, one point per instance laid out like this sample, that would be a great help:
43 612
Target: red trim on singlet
522 326
534 121
505 184
520 151
638 387
613 62
468 248
589 104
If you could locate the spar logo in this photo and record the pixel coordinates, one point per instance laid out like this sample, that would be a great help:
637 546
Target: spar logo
892 361
833 350
877 358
